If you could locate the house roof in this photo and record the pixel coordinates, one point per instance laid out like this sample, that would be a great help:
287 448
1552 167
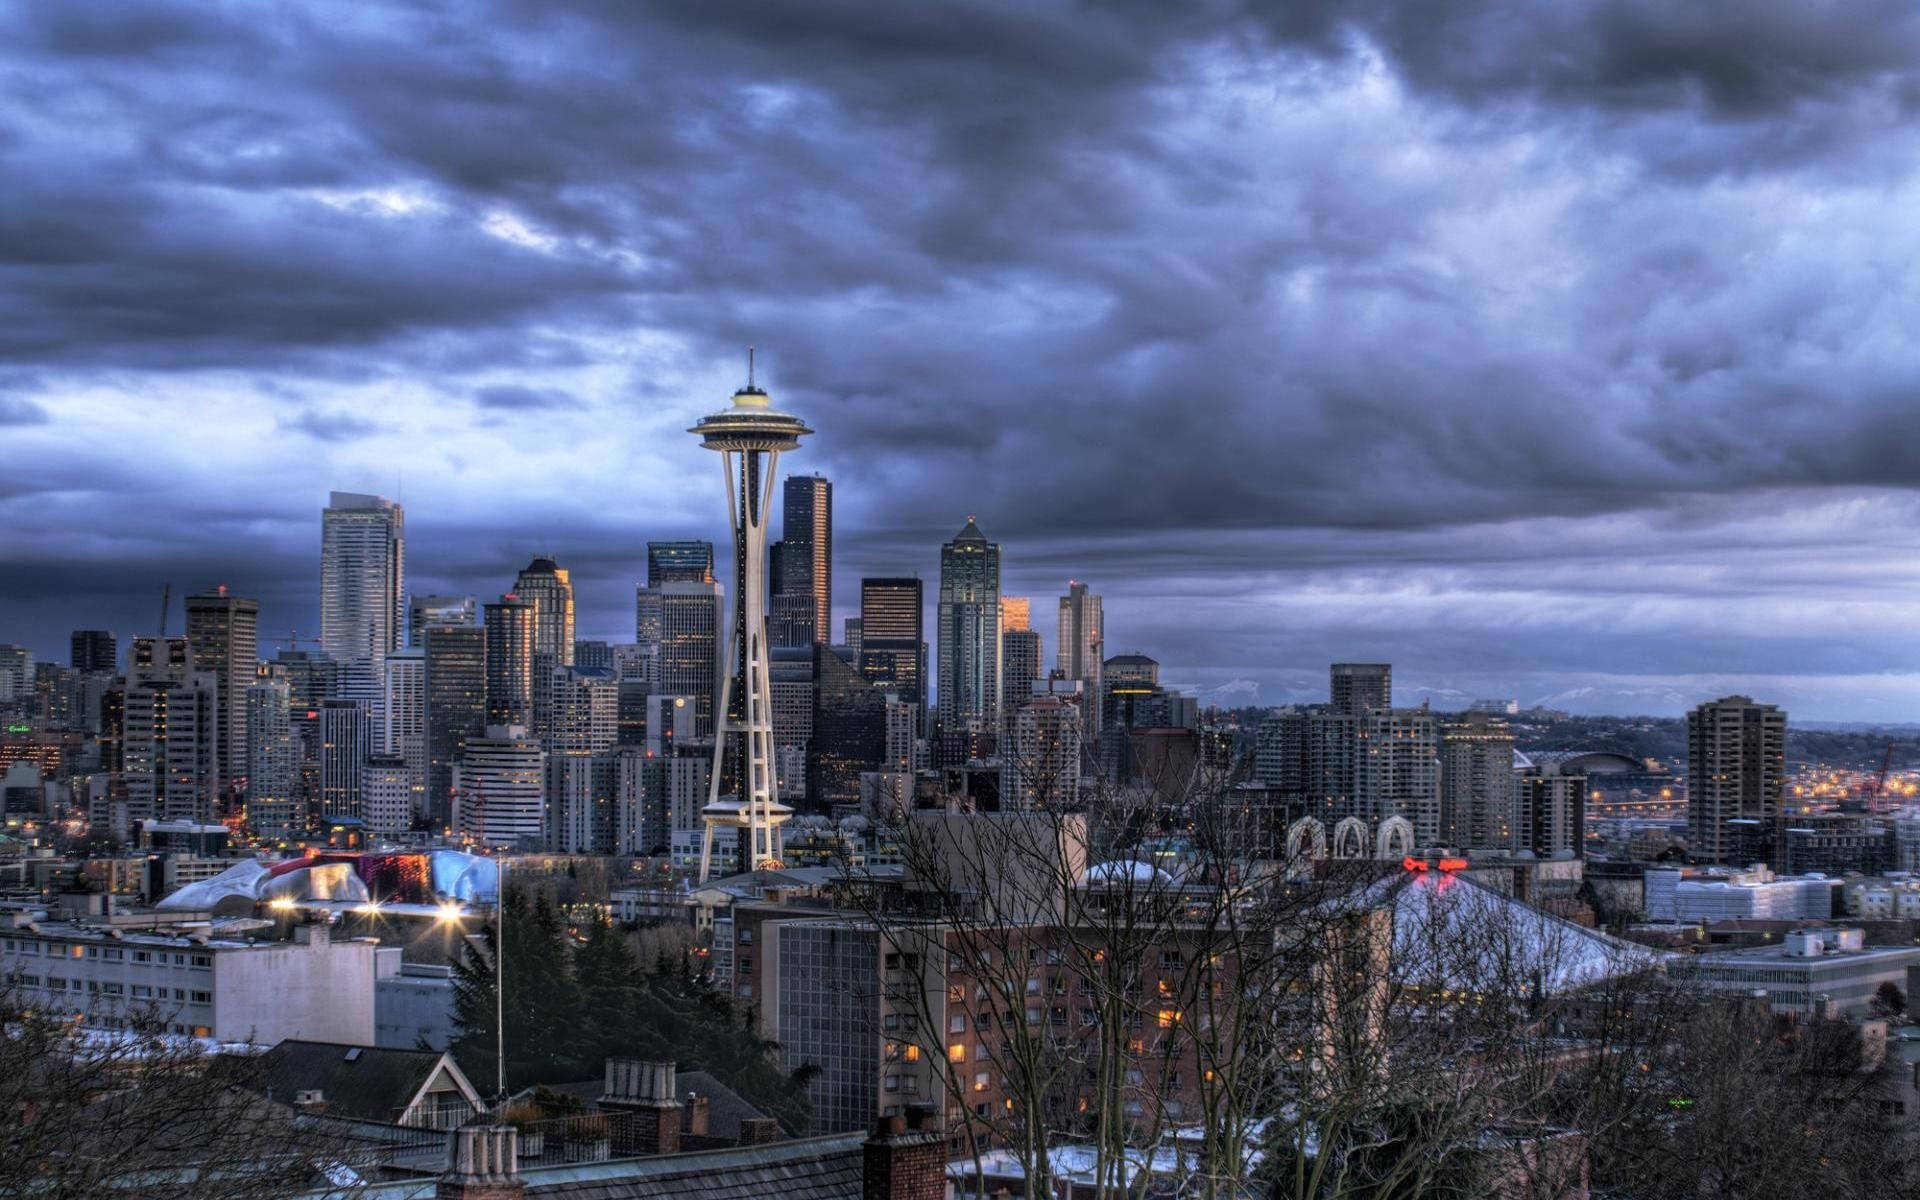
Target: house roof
371 1082
726 1109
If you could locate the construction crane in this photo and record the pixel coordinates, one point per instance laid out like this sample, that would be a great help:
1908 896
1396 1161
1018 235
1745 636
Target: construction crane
294 639
1877 795
166 605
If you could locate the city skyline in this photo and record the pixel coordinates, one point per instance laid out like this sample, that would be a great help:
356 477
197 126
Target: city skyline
1580 384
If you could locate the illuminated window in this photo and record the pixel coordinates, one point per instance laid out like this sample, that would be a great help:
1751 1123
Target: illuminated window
1169 1017
957 1052
980 1082
913 1052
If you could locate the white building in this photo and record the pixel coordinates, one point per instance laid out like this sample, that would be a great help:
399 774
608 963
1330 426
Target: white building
386 795
403 733
499 784
1882 899
1808 967
1040 765
1756 894
362 578
193 979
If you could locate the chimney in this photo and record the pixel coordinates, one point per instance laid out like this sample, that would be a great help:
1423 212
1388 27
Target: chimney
758 1131
905 1159
696 1122
485 1165
643 1093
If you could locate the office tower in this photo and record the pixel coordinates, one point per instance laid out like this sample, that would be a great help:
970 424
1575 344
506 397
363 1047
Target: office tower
1736 773
363 554
593 654
1019 668
1476 783
750 436
792 690
500 782
225 633
549 588
1040 764
1016 612
386 795
423 611
679 562
1081 650
509 626
272 809
58 696
968 633
1357 687
855 630
806 567
893 643
403 732
849 731
689 647
1397 769
94 650
346 739
16 672
169 742
1550 811
456 707
790 621
649 617
585 715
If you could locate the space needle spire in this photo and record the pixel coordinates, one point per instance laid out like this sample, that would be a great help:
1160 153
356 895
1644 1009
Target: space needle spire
749 435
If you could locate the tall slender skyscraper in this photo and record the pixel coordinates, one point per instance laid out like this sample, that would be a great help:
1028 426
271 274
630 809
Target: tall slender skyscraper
806 569
509 625
456 707
893 644
403 734
750 436
1736 776
550 588
225 633
679 562
363 585
1082 649
968 633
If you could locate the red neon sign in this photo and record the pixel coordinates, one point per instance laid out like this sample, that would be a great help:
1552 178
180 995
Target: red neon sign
1453 864
1414 864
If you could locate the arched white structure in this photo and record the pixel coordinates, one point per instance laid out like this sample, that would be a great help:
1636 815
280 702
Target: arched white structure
1394 840
1350 838
1310 833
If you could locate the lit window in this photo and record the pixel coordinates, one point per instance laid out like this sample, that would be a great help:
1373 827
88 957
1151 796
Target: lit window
913 1052
957 1052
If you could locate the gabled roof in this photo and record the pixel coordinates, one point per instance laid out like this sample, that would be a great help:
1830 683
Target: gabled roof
370 1082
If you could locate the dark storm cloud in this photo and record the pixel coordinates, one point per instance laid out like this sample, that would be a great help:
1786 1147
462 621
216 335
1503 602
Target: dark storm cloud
1254 311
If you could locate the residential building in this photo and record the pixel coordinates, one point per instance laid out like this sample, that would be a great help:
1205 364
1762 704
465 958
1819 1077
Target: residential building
500 785
225 633
1020 668
386 795
1736 773
1356 688
1477 810
170 734
1396 767
1550 810
1041 759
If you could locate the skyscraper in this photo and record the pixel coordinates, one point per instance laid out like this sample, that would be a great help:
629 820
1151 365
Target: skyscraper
272 811
1357 687
750 435
509 626
679 562
346 738
1396 768
363 554
968 630
806 569
893 643
1736 775
501 782
170 739
1477 783
423 611
225 633
1040 764
689 639
550 588
403 734
854 632
94 650
456 706
1016 612
1081 650
1019 668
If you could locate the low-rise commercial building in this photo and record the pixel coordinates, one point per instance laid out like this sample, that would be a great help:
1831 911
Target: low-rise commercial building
1807 967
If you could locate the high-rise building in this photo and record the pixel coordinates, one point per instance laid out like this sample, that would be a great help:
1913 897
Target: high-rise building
893 642
593 654
16 672
346 739
423 611
790 621
225 632
690 646
968 633
855 631
1016 612
363 585
849 733
806 568
585 711
272 808
1357 687
509 626
456 707
750 435
1040 763
170 740
1081 650
403 732
1477 783
501 783
1550 811
386 795
679 562
1020 668
550 589
1736 775
1397 769
94 650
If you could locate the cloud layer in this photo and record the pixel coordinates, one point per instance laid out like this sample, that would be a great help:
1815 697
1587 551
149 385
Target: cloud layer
1549 350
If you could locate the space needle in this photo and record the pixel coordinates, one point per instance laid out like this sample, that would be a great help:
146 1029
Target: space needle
750 436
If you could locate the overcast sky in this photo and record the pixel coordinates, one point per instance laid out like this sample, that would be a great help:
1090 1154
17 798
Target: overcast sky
1546 350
